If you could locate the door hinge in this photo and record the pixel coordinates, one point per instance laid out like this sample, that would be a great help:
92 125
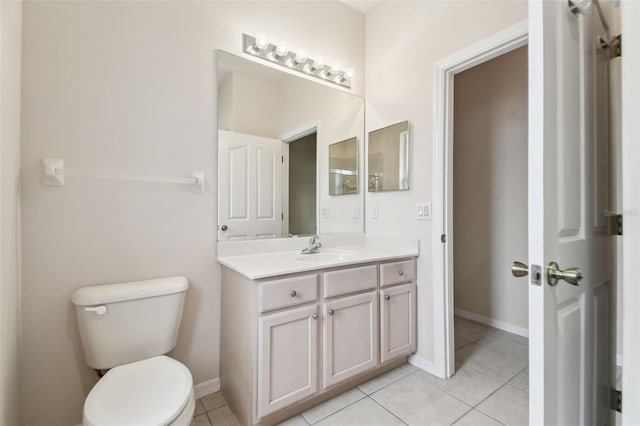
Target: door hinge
615 401
282 158
615 226
281 216
443 238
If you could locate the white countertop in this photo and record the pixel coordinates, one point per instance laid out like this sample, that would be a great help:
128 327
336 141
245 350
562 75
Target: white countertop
264 265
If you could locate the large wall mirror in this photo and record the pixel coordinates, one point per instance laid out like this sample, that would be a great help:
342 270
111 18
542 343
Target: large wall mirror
275 130
388 165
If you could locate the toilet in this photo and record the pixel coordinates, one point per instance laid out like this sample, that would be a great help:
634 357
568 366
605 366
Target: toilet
127 329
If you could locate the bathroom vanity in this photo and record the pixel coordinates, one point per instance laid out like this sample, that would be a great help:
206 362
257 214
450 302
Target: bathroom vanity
299 329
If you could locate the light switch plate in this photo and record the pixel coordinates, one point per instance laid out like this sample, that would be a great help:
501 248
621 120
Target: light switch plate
374 211
423 211
324 212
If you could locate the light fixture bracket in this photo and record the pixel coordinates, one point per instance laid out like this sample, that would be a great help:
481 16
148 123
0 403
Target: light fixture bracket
306 66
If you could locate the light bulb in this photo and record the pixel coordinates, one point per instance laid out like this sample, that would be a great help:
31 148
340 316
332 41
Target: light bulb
282 49
301 56
335 68
349 72
319 62
261 42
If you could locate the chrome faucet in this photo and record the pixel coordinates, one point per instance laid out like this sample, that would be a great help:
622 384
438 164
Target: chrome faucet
314 246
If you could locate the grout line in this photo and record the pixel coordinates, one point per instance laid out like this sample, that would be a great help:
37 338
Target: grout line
465 413
387 410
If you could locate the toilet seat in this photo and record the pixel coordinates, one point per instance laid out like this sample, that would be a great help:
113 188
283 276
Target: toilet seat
153 391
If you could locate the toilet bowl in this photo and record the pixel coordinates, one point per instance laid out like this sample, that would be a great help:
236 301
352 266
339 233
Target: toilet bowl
127 328
155 391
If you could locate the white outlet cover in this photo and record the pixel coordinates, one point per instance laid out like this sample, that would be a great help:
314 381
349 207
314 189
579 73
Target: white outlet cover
324 212
423 211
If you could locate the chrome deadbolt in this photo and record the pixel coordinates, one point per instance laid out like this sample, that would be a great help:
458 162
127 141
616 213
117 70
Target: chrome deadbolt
571 276
519 269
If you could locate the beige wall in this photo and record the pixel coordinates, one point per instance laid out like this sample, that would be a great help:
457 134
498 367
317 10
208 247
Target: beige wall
130 87
403 42
490 188
10 51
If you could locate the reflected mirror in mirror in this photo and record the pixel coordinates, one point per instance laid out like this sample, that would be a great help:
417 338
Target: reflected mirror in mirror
343 167
388 165
274 133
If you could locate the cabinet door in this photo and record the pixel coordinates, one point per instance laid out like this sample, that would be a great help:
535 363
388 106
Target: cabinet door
287 358
350 337
397 321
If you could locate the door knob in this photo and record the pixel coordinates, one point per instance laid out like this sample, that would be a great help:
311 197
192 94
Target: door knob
571 275
519 269
224 227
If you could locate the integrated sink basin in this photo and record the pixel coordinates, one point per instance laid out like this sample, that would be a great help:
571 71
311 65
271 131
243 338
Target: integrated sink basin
328 256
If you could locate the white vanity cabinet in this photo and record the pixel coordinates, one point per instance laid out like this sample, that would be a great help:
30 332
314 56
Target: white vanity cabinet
288 342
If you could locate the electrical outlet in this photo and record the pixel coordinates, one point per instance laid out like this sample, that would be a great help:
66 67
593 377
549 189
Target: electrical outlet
324 212
356 213
423 211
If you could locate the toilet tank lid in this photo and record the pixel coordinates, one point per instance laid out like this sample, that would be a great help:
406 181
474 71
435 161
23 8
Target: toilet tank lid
109 293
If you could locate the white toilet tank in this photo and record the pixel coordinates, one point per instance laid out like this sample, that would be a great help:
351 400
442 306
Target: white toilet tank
127 322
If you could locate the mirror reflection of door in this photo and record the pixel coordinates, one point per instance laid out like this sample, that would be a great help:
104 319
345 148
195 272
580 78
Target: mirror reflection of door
250 185
343 167
302 185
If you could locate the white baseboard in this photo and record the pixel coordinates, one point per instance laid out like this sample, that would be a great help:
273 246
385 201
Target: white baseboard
501 325
422 364
206 388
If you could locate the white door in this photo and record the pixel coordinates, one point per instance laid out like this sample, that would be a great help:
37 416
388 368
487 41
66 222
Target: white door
287 358
569 325
250 182
350 337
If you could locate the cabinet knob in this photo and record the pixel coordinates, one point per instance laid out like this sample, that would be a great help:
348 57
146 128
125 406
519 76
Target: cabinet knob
292 293
314 316
330 311
401 273
387 297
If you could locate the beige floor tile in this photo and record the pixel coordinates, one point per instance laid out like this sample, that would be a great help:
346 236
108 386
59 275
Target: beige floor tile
496 364
294 421
410 368
470 330
418 403
521 381
509 405
499 342
213 401
201 420
520 339
319 412
461 342
476 418
467 384
199 408
383 380
364 412
222 417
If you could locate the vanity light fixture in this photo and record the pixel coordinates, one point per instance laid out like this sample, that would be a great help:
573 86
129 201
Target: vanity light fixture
280 54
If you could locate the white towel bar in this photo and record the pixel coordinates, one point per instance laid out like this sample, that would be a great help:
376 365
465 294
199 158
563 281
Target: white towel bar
54 172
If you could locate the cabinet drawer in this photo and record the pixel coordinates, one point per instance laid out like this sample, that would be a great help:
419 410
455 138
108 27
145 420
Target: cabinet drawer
287 292
397 272
351 280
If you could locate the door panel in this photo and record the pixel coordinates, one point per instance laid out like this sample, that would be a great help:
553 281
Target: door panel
568 325
350 338
250 182
287 358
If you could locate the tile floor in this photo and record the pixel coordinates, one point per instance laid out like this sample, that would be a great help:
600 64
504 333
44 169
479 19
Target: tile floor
490 387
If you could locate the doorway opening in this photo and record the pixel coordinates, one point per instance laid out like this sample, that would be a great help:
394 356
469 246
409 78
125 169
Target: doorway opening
302 184
490 231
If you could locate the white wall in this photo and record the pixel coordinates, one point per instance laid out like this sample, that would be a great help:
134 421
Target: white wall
10 51
130 87
490 188
403 41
